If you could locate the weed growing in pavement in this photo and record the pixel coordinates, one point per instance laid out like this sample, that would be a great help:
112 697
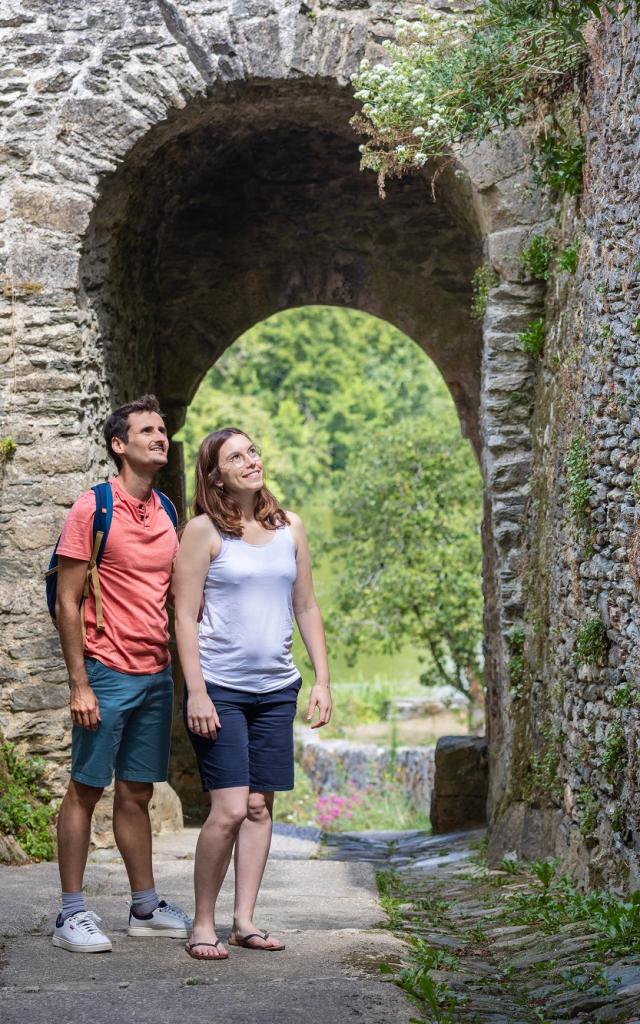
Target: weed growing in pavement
416 981
556 902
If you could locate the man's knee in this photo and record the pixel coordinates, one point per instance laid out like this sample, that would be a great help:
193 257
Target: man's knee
227 816
133 794
81 795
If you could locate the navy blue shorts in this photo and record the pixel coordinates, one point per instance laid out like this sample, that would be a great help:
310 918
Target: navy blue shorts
254 745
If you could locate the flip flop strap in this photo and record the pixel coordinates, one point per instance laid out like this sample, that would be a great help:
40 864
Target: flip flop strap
212 945
255 935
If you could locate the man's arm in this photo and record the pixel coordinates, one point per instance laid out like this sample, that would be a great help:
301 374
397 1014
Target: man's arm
85 710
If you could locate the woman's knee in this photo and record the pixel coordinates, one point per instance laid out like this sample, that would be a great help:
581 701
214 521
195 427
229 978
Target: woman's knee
260 806
227 814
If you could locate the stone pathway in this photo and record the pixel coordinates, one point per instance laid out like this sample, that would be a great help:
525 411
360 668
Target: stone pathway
487 970
469 964
327 913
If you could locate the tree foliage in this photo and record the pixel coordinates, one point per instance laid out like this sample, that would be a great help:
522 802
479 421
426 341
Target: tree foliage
408 533
306 385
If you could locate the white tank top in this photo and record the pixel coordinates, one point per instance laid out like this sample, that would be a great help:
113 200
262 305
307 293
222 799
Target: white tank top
247 622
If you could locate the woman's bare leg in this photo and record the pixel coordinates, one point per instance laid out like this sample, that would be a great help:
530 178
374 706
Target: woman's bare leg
213 853
250 858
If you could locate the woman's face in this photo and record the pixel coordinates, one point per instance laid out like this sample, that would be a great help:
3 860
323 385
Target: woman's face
240 466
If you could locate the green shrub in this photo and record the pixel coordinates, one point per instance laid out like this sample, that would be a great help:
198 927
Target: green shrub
626 695
26 810
591 642
588 812
536 257
482 282
532 339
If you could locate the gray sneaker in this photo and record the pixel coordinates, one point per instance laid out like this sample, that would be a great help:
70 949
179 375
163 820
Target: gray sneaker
167 920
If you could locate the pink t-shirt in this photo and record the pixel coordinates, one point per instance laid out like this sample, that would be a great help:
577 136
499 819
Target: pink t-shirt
135 572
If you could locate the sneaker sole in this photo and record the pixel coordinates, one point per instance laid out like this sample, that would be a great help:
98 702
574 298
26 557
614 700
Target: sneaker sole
139 931
76 947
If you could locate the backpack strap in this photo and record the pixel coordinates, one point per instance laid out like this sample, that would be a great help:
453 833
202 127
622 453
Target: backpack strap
101 525
169 508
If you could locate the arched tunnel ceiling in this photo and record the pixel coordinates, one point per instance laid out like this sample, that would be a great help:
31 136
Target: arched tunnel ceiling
252 202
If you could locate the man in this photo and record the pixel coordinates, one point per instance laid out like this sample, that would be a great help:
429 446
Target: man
120 677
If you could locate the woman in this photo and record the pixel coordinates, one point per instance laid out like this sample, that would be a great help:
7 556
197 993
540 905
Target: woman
244 569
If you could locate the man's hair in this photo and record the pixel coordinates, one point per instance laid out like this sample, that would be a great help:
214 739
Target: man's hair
118 423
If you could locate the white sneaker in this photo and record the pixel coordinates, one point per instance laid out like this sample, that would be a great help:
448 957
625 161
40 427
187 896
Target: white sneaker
79 933
167 920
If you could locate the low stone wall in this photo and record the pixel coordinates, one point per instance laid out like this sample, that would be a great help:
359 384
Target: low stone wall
332 763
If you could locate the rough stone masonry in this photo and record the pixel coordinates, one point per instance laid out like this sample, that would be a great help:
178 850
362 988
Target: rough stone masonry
174 172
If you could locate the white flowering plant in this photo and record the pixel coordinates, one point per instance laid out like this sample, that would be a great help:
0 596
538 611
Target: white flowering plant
449 81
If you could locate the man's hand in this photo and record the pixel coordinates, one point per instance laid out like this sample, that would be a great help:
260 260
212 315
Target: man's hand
85 709
321 699
202 717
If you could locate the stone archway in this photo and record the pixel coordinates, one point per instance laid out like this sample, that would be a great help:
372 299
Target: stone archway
187 175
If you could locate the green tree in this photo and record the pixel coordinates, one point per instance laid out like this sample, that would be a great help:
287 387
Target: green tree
407 530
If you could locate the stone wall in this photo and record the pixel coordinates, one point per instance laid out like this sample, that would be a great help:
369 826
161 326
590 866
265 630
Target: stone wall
573 785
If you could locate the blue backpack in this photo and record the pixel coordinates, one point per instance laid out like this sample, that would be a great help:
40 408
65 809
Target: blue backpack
101 526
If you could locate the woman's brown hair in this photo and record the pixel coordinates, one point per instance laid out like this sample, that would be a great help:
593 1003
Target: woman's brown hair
211 500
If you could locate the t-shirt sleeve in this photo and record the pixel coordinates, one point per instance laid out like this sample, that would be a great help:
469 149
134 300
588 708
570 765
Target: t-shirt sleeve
76 539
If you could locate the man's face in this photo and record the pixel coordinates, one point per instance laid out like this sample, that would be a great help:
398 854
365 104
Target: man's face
147 443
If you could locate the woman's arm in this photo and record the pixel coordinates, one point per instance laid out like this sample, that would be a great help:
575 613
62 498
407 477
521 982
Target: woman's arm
309 619
199 544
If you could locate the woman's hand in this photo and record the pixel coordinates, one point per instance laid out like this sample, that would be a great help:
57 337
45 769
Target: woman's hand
321 699
202 717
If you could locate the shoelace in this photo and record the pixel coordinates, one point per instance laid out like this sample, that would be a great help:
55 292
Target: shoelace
87 921
171 908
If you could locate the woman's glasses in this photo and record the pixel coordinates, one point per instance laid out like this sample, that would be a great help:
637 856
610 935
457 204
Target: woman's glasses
238 459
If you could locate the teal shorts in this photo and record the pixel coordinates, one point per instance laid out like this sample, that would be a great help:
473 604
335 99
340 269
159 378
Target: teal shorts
133 736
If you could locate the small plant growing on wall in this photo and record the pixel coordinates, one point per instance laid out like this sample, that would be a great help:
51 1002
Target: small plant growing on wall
614 754
559 163
7 449
591 643
536 257
532 338
579 486
568 258
482 282
516 662
588 812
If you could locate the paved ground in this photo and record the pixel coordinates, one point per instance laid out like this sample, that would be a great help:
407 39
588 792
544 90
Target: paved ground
325 910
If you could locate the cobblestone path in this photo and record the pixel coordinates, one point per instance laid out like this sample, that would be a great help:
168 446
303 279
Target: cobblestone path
486 969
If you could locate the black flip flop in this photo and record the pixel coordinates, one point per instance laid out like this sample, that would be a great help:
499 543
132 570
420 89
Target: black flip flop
243 940
212 945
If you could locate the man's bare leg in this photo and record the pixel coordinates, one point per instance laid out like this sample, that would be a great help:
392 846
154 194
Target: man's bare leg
74 833
132 830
